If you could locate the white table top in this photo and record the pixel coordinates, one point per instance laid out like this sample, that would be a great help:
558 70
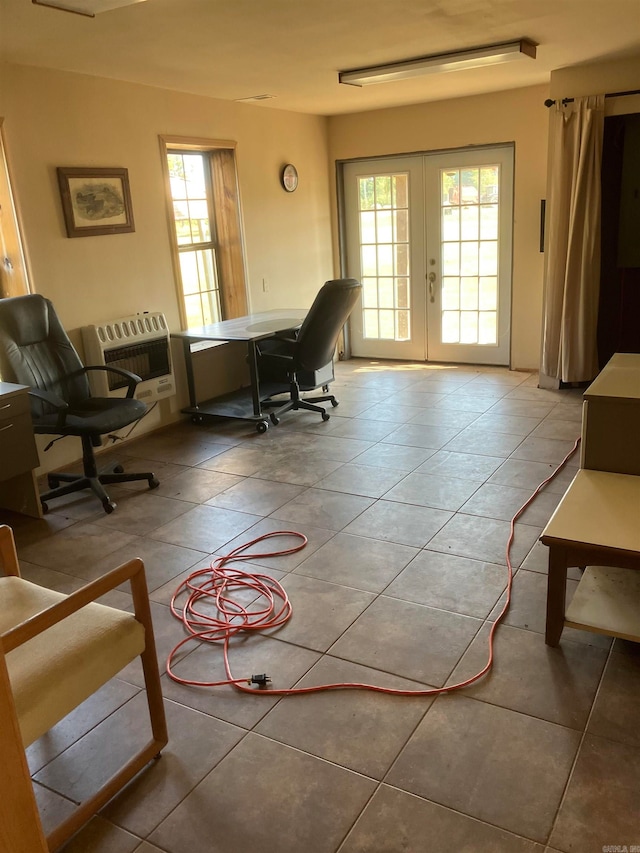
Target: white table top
618 380
7 388
249 328
598 508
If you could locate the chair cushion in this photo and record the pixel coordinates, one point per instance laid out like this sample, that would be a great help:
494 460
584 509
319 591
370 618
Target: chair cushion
94 416
54 672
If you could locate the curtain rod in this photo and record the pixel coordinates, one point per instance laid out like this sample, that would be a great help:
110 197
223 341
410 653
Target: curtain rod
549 102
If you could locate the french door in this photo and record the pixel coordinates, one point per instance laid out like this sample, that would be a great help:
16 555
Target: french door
430 238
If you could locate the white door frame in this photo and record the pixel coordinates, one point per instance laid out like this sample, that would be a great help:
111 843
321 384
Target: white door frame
425 235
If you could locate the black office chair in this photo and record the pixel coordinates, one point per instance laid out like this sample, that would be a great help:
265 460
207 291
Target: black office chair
36 351
294 360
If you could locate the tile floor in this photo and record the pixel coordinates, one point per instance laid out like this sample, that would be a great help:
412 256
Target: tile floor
405 496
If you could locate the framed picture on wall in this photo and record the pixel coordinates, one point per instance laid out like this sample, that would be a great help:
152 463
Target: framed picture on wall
95 201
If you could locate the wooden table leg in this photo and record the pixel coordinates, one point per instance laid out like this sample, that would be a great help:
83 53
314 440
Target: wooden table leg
556 594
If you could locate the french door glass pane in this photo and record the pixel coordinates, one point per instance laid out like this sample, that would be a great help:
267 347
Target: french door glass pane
451 258
402 293
469 294
451 294
469 245
487 332
370 292
469 258
488 297
370 323
384 255
469 222
387 322
385 260
368 263
384 224
451 327
469 327
402 326
387 292
401 220
489 222
367 226
450 223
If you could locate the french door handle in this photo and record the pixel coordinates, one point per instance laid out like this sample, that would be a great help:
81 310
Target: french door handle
432 279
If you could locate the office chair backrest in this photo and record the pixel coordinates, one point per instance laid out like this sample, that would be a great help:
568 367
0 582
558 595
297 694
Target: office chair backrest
36 351
319 332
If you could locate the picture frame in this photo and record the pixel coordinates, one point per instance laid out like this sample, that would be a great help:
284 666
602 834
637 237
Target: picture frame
95 201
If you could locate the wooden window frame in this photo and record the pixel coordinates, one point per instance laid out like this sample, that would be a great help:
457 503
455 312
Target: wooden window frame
227 217
14 272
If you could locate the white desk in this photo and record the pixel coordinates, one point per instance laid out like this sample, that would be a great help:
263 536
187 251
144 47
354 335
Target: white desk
243 404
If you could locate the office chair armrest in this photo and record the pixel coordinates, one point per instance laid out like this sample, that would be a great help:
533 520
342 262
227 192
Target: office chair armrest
132 571
53 400
132 378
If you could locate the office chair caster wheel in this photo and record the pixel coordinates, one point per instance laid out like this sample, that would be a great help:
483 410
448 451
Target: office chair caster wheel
275 420
108 506
53 481
325 416
262 426
45 507
335 402
154 483
118 469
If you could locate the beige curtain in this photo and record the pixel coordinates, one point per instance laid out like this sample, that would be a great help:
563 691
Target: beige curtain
572 253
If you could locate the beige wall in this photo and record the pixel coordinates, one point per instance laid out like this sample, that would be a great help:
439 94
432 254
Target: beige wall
622 75
515 116
54 119
596 78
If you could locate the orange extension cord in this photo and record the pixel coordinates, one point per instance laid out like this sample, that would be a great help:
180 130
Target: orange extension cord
216 584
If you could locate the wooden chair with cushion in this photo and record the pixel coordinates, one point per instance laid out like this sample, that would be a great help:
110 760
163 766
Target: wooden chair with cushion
57 650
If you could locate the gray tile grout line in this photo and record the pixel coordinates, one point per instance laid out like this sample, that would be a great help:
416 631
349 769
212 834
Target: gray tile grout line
580 744
377 595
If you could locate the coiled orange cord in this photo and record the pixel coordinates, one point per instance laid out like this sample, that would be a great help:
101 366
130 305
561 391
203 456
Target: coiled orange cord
215 585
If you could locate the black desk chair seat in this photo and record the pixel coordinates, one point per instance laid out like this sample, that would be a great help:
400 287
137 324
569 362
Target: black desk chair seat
294 361
36 351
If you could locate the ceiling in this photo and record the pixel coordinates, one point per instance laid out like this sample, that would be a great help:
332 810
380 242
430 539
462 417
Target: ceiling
293 49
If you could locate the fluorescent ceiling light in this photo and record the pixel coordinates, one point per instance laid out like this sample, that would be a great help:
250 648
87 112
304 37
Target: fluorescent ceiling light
253 98
90 8
459 60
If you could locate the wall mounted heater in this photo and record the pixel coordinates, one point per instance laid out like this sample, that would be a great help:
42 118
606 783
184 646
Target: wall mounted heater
139 343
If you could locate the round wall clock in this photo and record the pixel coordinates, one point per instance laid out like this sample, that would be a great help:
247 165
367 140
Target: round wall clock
289 178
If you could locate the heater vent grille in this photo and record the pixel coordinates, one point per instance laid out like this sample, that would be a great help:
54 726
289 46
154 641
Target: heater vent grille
140 344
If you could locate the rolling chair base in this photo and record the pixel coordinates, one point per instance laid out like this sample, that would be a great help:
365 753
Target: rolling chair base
296 402
92 479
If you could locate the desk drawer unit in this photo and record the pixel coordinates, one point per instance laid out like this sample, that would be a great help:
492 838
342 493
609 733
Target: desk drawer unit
18 451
